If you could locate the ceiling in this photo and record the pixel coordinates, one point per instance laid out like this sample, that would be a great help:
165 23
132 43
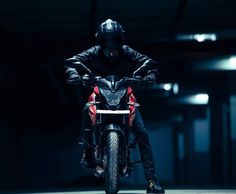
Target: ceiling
154 20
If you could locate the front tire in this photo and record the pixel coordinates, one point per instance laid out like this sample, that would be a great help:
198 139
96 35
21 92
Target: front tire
112 171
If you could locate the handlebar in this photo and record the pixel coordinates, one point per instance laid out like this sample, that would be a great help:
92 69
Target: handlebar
94 79
132 79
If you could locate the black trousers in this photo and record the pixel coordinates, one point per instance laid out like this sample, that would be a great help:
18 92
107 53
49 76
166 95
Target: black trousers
140 133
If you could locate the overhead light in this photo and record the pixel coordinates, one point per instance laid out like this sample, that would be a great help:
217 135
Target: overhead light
202 98
226 64
167 87
196 99
232 61
175 88
217 64
197 37
204 37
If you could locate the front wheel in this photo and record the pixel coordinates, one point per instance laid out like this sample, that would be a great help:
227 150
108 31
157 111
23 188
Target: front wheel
112 171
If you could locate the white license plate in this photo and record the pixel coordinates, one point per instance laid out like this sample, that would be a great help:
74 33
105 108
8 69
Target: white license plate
113 111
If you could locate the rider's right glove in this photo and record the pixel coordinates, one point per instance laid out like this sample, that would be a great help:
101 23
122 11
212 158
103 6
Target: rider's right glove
73 78
86 80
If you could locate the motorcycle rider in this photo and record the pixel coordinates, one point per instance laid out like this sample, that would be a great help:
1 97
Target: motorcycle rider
112 57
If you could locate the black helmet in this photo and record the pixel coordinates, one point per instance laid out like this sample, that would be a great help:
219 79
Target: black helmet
110 34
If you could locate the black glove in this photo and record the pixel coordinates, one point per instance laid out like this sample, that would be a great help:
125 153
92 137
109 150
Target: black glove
73 78
86 80
150 78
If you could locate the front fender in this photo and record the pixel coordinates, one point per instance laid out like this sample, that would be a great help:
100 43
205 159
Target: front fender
113 127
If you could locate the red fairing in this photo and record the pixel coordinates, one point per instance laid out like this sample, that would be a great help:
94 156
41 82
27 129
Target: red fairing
95 90
129 91
132 99
92 108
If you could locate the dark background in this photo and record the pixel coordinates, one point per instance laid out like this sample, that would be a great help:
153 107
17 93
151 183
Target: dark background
194 144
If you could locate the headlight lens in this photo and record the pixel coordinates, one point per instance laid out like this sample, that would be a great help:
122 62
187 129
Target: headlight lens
113 98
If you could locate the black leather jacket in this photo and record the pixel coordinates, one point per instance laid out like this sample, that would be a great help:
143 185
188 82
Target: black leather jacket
128 63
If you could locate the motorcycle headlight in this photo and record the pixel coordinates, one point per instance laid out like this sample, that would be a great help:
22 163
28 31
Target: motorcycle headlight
113 98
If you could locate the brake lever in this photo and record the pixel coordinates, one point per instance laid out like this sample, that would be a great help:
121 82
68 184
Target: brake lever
137 78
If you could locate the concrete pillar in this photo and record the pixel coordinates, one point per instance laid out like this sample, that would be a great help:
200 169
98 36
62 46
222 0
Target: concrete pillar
233 127
201 148
219 129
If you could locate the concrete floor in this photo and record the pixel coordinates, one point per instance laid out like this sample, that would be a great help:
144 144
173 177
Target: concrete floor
143 192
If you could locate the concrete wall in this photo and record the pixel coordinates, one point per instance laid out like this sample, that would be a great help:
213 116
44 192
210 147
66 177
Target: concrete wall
7 155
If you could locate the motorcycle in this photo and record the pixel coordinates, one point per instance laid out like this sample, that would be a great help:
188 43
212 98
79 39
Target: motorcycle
112 110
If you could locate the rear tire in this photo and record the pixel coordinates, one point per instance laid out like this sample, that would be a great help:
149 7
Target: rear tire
112 169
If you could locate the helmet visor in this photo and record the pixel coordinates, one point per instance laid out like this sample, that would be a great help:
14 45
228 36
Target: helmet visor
112 43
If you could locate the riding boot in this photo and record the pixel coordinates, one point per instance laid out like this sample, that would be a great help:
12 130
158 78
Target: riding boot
154 187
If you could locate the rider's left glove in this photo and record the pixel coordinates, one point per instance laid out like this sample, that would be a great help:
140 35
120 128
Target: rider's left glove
86 80
73 79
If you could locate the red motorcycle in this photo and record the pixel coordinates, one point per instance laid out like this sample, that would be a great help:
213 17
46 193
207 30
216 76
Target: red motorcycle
112 110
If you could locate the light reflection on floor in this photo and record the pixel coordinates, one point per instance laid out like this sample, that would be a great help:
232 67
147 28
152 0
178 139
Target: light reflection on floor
143 192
